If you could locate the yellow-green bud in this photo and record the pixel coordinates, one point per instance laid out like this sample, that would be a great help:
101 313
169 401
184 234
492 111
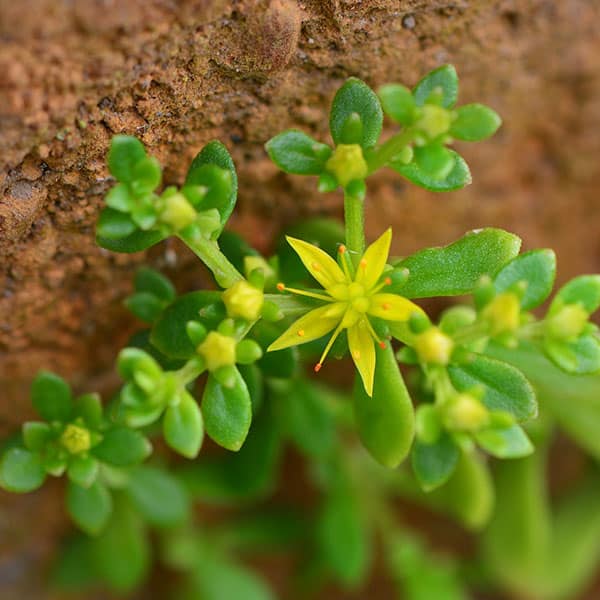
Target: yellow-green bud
503 313
434 347
217 350
347 163
243 301
434 121
568 322
177 212
76 439
466 413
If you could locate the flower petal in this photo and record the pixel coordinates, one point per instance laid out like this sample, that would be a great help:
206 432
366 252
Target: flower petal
362 350
373 261
311 326
392 307
319 264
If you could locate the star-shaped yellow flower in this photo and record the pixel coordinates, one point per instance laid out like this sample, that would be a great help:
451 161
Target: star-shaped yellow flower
352 295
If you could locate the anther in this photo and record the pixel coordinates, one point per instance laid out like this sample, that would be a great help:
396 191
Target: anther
281 287
387 281
318 367
342 249
301 332
385 306
382 345
363 263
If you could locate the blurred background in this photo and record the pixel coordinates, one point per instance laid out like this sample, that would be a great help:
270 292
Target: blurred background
178 73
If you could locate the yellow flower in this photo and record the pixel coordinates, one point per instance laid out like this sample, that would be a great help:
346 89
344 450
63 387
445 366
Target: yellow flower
351 298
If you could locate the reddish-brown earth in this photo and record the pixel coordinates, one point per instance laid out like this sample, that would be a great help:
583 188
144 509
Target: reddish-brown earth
178 73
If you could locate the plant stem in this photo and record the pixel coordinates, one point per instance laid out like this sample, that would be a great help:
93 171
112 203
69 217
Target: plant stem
390 149
355 226
208 252
190 371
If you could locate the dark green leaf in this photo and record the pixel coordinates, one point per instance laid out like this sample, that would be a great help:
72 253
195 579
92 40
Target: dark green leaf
281 364
122 447
74 570
183 427
505 386
83 470
51 397
89 408
145 306
433 464
355 96
537 268
36 435
125 152
443 79
457 178
385 421
295 152
114 225
158 496
227 411
153 282
509 442
435 161
21 471
169 332
135 242
475 122
457 268
89 507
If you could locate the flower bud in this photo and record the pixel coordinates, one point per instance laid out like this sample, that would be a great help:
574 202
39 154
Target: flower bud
434 347
177 212
243 301
75 439
568 322
466 413
217 350
503 313
347 163
434 121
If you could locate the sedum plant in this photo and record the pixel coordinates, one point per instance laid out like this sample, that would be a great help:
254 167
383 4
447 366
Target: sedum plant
489 382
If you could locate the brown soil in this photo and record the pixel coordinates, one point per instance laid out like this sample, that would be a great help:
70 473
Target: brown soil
178 73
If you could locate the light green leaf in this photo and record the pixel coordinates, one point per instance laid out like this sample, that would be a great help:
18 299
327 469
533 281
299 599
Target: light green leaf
508 442
445 80
89 507
21 471
475 122
295 152
183 426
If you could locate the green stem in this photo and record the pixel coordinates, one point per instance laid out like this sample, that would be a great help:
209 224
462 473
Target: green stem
191 370
391 148
355 226
208 252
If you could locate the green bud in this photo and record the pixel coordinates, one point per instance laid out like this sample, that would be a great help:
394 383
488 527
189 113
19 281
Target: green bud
568 323
503 313
75 439
247 352
405 155
196 332
243 301
464 412
217 350
434 347
177 212
434 121
347 163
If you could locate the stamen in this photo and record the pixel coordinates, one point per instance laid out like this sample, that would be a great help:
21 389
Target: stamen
382 345
386 281
301 332
373 334
281 286
318 367
363 263
344 260
305 293
332 339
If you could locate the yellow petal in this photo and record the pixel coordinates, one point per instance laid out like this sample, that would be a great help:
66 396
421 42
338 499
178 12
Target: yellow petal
311 326
319 264
371 265
392 307
362 350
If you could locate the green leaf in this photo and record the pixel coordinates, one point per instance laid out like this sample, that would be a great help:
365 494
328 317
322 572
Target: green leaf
89 408
215 153
83 470
295 152
443 79
506 388
119 198
577 357
124 154
90 508
151 281
458 177
51 397
145 306
235 248
169 332
21 471
355 96
147 175
386 421
308 419
183 426
475 122
158 496
227 411
537 268
114 225
281 364
74 570
122 447
121 553
584 290
36 435
398 103
457 268
435 161
433 464
508 442
344 544
135 242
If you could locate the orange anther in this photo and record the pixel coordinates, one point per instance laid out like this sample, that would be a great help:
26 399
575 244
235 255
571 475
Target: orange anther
342 249
385 306
301 332
318 367
387 281
382 345
363 263
281 287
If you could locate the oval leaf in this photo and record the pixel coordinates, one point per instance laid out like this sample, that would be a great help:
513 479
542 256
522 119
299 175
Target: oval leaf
183 427
295 152
90 507
443 78
51 397
125 152
21 471
475 122
122 447
433 464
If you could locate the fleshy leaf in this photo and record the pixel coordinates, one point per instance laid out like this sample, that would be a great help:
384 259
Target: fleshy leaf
443 78
183 427
433 464
296 152
89 507
21 471
51 397
475 122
